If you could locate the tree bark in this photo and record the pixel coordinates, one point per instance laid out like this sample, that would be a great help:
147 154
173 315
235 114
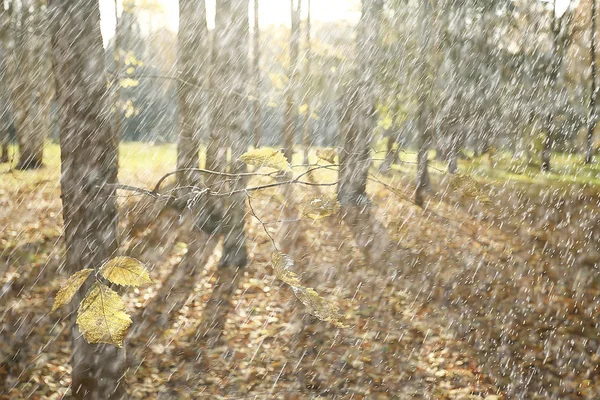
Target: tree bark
553 74
424 117
33 92
291 111
88 167
256 110
390 154
424 127
192 51
356 154
306 128
229 115
5 83
592 117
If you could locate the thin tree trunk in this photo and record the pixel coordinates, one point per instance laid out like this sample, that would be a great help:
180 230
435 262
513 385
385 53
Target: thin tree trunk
423 181
558 49
291 111
306 129
5 156
230 112
256 110
547 144
455 143
88 167
34 91
192 51
5 82
30 156
356 157
424 120
117 82
592 117
390 154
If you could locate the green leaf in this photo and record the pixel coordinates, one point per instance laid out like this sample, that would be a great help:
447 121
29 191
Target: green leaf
125 271
265 157
66 293
101 317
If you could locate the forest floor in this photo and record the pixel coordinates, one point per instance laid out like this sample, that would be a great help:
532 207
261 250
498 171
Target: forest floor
465 300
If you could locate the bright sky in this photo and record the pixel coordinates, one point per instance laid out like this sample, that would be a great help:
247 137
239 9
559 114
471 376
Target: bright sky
272 12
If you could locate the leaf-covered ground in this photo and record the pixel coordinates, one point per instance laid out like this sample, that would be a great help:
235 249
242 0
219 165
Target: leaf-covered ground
461 301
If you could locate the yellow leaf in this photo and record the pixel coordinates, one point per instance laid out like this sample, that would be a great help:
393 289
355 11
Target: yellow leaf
281 264
265 157
130 70
125 271
66 293
320 207
468 187
101 317
302 109
132 60
319 307
128 82
272 104
327 155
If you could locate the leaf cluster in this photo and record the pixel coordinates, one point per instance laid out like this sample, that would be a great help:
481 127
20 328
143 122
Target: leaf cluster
101 316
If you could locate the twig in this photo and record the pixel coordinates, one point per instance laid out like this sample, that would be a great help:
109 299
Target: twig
120 186
264 225
296 180
206 171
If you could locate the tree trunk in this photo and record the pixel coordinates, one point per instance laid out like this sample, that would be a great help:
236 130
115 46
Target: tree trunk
423 181
424 120
31 97
116 84
192 51
558 50
88 168
547 144
256 111
306 128
291 111
356 158
229 116
592 117
5 82
390 154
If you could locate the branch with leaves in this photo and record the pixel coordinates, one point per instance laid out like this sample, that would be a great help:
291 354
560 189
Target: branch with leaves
101 315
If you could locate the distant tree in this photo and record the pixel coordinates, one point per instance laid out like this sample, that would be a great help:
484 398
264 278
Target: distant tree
32 89
592 114
359 114
291 110
192 63
256 78
560 35
88 168
425 112
306 125
228 130
5 81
